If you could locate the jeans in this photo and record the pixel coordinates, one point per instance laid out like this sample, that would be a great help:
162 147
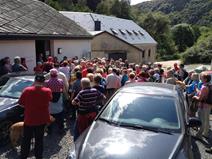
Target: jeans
29 133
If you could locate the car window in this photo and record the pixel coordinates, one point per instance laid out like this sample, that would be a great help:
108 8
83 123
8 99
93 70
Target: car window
14 87
144 110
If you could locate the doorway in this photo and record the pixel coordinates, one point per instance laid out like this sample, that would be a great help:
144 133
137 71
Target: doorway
116 56
42 50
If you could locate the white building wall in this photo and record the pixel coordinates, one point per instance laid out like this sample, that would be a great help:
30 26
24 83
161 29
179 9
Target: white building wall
71 48
22 48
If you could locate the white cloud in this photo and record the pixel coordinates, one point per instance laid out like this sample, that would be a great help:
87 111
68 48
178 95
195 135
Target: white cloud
137 1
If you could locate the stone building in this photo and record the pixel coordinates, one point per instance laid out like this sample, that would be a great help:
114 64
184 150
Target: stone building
124 38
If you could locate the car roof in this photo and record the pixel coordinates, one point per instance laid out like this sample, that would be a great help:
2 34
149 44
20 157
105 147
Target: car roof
150 88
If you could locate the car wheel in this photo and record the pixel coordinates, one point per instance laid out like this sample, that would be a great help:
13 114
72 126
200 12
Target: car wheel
4 132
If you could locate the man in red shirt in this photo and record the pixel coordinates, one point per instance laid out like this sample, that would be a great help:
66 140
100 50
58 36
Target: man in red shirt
35 100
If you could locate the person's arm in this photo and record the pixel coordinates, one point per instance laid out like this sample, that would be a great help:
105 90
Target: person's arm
22 99
76 100
202 94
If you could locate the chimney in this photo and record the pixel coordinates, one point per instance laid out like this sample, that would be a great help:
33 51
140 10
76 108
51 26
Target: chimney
97 25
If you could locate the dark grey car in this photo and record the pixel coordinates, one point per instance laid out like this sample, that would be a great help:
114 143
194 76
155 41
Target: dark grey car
141 121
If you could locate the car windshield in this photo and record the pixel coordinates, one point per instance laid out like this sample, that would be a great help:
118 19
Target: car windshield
142 110
14 87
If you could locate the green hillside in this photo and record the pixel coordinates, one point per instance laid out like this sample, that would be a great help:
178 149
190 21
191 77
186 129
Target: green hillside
181 11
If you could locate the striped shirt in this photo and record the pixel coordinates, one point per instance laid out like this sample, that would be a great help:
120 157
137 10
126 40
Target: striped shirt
88 100
55 84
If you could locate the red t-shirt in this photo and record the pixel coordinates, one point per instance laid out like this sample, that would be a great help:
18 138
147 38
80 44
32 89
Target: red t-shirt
35 100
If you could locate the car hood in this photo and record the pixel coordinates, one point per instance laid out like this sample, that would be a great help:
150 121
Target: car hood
110 142
6 103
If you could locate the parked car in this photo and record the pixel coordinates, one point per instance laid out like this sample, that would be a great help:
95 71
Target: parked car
141 121
10 112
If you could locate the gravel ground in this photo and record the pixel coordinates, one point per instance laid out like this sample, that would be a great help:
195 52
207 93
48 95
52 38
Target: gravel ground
57 146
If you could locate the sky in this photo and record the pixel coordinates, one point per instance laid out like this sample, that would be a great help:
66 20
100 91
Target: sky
137 1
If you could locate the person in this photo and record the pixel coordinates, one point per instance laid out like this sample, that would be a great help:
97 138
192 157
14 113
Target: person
125 77
131 78
203 106
56 105
170 79
113 82
74 90
17 66
99 87
183 74
35 100
6 67
48 65
65 69
38 69
86 102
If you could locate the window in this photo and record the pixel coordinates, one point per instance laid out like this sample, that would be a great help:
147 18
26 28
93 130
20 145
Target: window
122 32
114 31
141 33
149 52
143 53
145 110
135 32
129 32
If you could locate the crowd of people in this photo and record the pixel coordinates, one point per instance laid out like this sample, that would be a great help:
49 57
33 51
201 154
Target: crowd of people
80 87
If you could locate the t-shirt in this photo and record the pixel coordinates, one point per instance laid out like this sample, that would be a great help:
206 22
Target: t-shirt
35 100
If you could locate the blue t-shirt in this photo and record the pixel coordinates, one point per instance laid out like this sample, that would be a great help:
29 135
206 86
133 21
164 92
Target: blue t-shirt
191 88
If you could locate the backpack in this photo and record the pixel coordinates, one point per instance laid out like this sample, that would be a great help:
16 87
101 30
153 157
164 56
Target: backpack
209 97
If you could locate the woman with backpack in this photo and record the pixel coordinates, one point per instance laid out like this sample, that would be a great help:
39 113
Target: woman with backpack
204 105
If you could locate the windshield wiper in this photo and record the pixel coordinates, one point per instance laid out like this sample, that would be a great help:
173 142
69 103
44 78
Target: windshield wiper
109 121
135 126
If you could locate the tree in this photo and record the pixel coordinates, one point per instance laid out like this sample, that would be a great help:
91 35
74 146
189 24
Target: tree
92 4
121 9
183 36
103 7
158 26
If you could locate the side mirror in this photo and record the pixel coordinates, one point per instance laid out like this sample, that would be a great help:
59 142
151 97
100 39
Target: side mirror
194 122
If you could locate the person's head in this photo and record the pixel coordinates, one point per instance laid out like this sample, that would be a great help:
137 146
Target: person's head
53 73
50 59
181 66
124 71
39 63
110 70
65 58
205 78
65 63
17 60
39 79
97 78
175 65
170 73
7 60
100 71
132 75
56 65
85 83
78 75
195 76
90 76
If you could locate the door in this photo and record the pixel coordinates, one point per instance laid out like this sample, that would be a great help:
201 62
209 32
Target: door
42 50
117 56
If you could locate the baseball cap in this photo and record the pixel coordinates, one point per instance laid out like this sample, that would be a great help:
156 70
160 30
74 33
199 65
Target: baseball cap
39 78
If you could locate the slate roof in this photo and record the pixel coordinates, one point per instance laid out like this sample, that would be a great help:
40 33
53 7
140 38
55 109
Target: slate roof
97 33
125 29
33 18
